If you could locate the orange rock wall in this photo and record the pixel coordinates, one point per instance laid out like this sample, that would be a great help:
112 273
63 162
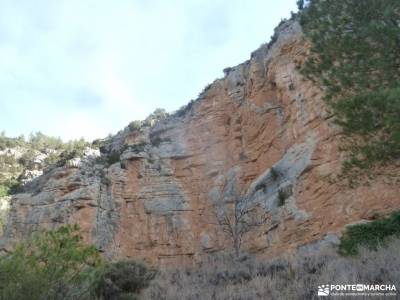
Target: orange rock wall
158 204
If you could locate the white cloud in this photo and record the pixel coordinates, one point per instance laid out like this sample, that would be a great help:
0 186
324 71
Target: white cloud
95 65
80 125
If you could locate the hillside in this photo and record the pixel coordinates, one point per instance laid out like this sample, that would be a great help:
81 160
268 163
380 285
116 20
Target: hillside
156 191
280 181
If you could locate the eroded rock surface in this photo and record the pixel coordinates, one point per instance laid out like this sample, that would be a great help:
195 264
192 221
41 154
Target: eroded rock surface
262 127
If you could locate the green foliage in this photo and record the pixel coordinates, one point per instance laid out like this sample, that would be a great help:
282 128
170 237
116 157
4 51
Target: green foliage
50 265
4 190
274 174
10 170
113 157
4 210
36 141
157 115
282 196
27 159
70 150
376 117
7 142
300 4
57 151
9 186
135 125
227 70
123 280
185 109
208 86
370 235
42 143
14 186
355 57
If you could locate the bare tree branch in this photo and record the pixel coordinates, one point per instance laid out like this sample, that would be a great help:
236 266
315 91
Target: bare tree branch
238 215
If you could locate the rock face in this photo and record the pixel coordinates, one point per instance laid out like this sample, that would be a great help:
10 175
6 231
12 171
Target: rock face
262 128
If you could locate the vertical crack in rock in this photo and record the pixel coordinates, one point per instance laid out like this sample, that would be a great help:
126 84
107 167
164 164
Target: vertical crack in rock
107 213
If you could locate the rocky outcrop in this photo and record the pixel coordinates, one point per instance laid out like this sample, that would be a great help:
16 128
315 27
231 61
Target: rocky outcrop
262 128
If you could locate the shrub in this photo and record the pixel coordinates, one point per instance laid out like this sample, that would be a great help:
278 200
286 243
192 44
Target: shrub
156 115
52 159
51 265
274 174
123 280
57 154
7 142
3 191
185 109
369 234
9 187
71 150
300 4
206 88
288 277
15 186
41 142
113 157
227 71
135 125
4 209
282 196
26 160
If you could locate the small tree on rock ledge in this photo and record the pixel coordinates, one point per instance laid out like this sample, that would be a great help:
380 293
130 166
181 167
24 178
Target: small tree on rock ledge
237 214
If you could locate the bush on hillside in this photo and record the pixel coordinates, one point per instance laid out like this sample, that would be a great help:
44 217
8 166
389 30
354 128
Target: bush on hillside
3 191
50 265
41 142
157 115
9 186
135 125
123 280
294 276
369 235
56 150
113 157
7 142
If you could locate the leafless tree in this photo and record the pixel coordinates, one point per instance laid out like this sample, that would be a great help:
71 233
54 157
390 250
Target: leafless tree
238 214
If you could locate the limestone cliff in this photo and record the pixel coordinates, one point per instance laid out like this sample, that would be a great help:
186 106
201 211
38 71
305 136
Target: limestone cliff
158 201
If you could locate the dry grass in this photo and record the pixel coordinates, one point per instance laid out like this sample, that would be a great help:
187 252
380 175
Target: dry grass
294 277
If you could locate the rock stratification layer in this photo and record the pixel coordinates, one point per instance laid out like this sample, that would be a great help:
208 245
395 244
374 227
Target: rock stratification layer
262 128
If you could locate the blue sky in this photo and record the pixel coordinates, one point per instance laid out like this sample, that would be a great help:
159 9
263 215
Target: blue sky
86 68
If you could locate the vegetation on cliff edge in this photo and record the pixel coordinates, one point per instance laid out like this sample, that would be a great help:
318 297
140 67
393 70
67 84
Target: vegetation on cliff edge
370 235
38 151
355 58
